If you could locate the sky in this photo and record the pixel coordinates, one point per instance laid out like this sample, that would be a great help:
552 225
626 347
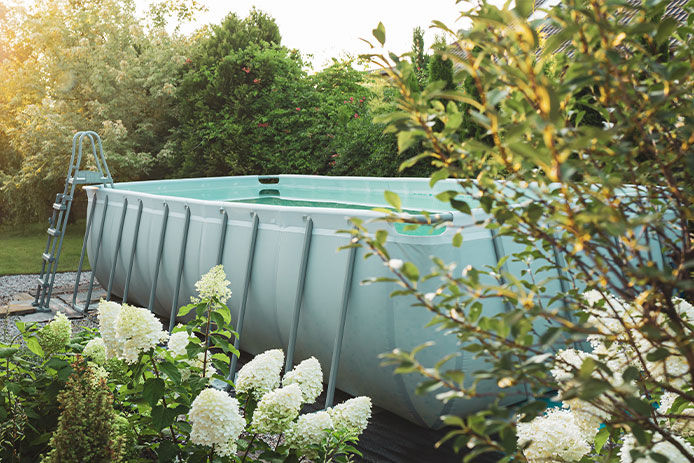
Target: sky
332 28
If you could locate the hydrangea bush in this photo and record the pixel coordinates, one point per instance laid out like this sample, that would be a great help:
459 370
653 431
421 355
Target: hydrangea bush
586 165
172 399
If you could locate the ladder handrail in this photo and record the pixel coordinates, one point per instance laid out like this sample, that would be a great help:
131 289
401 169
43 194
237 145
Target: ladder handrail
62 207
101 165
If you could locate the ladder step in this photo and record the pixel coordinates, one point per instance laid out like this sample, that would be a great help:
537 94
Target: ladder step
87 176
41 282
48 257
53 232
59 207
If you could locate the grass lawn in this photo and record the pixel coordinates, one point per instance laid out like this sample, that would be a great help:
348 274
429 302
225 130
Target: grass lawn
21 248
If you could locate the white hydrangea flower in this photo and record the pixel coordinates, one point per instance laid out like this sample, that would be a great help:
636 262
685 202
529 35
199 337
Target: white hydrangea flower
178 342
108 315
216 421
54 336
99 372
309 376
667 400
554 436
587 417
684 308
309 429
664 448
684 425
592 297
612 317
137 331
352 415
262 374
211 284
622 323
95 349
673 369
567 362
277 409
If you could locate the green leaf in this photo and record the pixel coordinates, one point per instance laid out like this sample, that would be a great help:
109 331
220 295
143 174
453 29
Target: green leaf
587 368
381 237
65 373
162 417
441 174
475 311
34 346
218 319
665 29
631 373
185 309
57 363
601 438
658 354
380 33
7 352
407 139
457 240
427 386
462 206
413 160
167 451
153 390
226 313
410 271
393 199
640 406
524 7
171 371
532 409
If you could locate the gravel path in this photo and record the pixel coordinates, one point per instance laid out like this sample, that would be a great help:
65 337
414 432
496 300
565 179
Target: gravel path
13 284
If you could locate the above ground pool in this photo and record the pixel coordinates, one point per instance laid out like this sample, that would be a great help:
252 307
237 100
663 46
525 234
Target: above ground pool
276 237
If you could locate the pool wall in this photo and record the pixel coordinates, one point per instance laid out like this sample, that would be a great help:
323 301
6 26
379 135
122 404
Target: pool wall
375 323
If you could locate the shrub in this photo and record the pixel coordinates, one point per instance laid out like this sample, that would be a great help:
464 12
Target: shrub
155 401
87 430
599 219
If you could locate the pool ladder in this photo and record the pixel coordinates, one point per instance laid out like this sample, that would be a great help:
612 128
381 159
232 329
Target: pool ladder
61 210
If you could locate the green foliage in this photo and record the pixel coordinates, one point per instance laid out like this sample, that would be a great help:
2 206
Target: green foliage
256 111
587 206
77 66
139 411
420 60
246 106
229 100
440 66
87 429
235 34
29 387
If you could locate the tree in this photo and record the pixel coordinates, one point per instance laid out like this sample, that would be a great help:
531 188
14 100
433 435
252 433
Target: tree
75 66
244 104
440 65
420 60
